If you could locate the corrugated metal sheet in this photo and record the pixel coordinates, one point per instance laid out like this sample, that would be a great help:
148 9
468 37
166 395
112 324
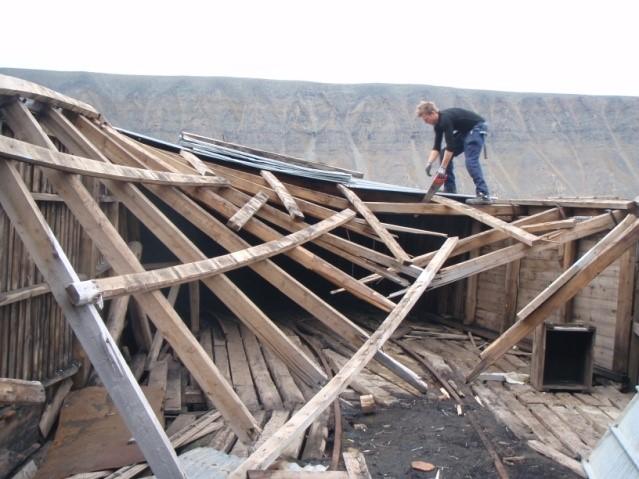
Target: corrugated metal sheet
617 453
208 463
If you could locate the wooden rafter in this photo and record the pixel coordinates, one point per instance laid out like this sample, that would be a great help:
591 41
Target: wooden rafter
122 260
272 447
90 291
247 211
36 155
282 193
374 223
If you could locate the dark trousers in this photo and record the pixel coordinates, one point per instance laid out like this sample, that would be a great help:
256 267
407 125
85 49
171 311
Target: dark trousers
473 144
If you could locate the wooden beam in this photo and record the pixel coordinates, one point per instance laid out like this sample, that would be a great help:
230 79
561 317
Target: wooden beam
247 211
196 163
36 155
268 270
567 259
86 292
432 209
282 193
374 223
16 86
603 254
19 392
186 251
122 260
625 300
86 323
272 447
511 230
505 255
511 293
470 307
21 294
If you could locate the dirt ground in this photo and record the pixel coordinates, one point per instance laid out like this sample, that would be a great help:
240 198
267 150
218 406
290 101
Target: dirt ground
430 430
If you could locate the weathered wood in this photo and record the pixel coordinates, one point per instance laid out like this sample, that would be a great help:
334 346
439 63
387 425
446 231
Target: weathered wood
247 211
470 307
374 223
19 391
196 163
10 86
28 292
558 457
623 320
269 451
36 155
567 259
90 291
511 293
297 475
583 272
514 231
122 260
282 193
356 464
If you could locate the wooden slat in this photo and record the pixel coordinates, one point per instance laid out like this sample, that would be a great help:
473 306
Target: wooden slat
282 193
374 223
470 308
513 231
122 260
247 211
36 155
270 450
90 291
625 299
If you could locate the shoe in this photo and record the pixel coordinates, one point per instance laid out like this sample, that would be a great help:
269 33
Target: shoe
480 199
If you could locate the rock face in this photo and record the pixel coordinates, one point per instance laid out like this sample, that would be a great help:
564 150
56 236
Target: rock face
539 144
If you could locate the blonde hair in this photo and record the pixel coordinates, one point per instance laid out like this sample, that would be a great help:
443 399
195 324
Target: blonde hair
426 108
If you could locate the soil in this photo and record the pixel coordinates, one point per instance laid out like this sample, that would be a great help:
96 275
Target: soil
429 430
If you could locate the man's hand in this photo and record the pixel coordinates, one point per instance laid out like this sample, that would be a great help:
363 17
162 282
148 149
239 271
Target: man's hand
441 171
428 167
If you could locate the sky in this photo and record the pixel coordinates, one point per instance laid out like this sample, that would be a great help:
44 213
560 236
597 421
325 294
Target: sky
558 46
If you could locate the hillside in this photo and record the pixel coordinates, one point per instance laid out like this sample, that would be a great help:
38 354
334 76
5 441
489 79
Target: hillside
539 145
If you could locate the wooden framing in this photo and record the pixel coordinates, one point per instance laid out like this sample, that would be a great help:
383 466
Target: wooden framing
122 260
282 193
36 155
18 391
272 447
247 211
374 223
500 225
606 251
91 291
87 324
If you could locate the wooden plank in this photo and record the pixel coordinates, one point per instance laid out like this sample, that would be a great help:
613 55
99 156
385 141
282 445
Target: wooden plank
42 156
173 398
435 209
22 294
194 306
567 259
10 86
270 450
511 292
625 300
583 272
240 372
196 163
158 375
355 464
297 475
289 391
247 211
374 223
282 193
19 392
561 430
268 394
558 457
90 291
511 230
123 260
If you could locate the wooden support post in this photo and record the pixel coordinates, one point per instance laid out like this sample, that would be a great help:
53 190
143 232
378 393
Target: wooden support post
625 300
282 193
122 260
86 323
470 308
581 273
18 391
568 258
511 230
272 447
511 288
247 211
374 223
194 306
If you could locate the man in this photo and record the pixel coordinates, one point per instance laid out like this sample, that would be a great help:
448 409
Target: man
464 131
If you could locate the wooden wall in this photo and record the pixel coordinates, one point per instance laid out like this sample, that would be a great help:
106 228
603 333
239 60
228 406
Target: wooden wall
606 303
